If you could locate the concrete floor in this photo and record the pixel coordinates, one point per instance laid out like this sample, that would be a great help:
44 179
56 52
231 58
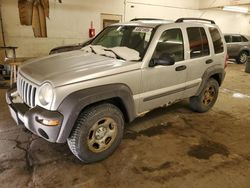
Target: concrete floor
169 147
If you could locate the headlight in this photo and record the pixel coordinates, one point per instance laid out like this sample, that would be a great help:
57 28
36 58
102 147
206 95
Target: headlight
46 94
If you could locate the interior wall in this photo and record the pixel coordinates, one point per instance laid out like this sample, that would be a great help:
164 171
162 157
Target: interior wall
218 3
141 10
68 24
229 22
187 4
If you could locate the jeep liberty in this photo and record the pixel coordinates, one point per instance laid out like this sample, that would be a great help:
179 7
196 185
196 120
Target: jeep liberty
85 97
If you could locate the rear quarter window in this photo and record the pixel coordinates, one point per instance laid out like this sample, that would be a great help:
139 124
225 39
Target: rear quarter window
217 40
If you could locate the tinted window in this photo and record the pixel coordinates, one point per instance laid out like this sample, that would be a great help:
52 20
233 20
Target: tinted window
204 42
170 44
217 40
198 42
133 37
244 39
236 38
227 38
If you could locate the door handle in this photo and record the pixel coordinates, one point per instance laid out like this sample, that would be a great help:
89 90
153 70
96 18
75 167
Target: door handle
209 61
181 68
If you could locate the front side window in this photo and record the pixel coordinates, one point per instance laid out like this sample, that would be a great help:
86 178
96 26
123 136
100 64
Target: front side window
236 38
217 40
133 37
170 44
198 42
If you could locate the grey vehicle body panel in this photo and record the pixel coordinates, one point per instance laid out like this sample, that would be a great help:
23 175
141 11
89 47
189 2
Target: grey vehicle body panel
77 67
73 104
80 79
235 48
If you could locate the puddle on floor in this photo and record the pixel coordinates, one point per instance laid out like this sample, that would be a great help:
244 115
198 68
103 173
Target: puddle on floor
152 131
207 149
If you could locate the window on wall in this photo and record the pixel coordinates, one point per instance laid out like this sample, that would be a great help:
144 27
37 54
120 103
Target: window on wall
198 42
109 19
217 40
170 44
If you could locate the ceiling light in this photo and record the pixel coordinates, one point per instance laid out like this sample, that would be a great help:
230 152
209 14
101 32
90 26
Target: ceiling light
236 9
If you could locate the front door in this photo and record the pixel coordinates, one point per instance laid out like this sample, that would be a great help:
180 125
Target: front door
164 84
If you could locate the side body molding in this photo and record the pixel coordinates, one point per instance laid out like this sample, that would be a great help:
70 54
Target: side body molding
74 103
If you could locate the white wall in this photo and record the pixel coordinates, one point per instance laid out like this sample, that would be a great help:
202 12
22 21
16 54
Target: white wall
68 23
187 4
154 10
229 22
218 3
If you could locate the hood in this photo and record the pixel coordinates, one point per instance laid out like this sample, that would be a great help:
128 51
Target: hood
70 67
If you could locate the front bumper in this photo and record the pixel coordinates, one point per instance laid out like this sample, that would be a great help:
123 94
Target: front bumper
31 117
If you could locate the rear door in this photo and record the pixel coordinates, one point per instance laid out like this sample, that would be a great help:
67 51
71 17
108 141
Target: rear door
200 57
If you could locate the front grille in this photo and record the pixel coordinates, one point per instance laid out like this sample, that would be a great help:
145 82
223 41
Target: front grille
27 90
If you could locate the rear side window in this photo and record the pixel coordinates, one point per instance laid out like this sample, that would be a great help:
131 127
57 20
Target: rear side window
227 38
198 42
236 38
217 40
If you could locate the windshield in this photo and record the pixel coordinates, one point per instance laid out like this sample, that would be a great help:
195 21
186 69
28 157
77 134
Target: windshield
132 37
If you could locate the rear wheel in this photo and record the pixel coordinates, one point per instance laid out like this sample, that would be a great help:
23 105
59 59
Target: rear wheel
207 98
242 58
97 133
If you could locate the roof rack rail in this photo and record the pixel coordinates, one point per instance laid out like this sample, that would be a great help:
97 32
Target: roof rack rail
197 19
147 19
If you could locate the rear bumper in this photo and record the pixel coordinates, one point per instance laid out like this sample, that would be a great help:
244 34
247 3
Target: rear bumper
31 117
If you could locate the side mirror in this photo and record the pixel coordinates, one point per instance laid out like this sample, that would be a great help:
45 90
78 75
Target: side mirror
166 61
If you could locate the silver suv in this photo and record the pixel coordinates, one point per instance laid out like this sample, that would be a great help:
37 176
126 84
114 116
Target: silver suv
238 47
85 97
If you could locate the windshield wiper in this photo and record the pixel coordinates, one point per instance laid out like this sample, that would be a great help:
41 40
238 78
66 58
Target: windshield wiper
117 56
92 50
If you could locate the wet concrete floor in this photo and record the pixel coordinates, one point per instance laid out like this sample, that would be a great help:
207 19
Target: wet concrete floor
168 147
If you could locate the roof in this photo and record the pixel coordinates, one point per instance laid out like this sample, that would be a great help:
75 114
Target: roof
145 23
152 22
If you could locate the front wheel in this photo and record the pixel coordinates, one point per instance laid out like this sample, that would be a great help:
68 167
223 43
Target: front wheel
98 131
207 98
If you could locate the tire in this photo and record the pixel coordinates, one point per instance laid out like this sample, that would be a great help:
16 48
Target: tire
207 98
242 58
97 132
